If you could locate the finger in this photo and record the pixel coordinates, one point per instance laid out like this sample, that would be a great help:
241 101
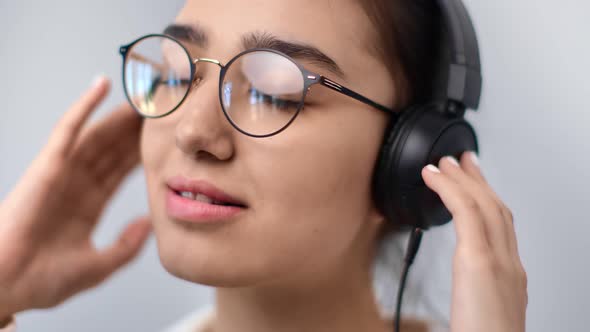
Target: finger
68 127
127 146
467 218
105 135
110 181
120 170
470 163
125 248
493 221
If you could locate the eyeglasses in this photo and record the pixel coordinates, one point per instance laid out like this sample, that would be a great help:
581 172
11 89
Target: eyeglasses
261 90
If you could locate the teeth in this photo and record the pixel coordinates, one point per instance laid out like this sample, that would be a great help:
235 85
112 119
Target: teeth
200 198
187 194
203 198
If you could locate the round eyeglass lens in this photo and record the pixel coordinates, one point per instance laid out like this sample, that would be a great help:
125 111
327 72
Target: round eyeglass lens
262 92
157 74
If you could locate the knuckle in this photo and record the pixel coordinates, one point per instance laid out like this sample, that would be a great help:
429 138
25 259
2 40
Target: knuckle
476 260
469 204
523 282
495 265
52 171
505 210
510 214
522 276
500 211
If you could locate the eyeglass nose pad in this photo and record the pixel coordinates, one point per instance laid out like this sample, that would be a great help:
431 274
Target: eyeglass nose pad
196 81
198 78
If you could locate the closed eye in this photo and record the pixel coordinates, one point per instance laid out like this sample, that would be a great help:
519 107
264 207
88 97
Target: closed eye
258 96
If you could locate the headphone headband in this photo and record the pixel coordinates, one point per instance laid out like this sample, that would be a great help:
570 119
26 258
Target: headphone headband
461 74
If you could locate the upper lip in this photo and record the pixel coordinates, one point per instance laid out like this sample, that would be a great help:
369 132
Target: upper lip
180 183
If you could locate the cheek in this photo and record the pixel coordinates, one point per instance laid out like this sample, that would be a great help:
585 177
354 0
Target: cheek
176 249
155 149
151 150
309 191
146 144
314 188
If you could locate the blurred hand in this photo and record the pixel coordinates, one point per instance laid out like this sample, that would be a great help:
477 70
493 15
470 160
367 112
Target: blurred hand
489 282
46 222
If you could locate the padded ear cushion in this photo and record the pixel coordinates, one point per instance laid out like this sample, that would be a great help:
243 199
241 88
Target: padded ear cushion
422 135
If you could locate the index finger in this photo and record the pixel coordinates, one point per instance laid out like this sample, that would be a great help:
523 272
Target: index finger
64 134
467 218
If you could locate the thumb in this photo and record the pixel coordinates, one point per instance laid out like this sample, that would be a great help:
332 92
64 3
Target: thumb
125 248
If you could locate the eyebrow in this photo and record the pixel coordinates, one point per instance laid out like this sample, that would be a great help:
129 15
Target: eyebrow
193 34
196 35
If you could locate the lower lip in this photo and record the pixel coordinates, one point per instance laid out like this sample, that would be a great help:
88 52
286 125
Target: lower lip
185 209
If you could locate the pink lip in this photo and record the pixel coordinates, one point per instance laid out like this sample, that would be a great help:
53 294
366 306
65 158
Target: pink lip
185 209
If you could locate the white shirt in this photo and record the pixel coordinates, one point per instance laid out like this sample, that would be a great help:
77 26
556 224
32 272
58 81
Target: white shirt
201 320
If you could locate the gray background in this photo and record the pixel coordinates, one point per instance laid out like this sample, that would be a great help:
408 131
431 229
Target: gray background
532 124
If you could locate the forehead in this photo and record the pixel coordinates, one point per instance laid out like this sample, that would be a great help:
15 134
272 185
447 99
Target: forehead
338 28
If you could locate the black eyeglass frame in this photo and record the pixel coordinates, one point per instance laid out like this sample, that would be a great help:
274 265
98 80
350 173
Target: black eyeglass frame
310 78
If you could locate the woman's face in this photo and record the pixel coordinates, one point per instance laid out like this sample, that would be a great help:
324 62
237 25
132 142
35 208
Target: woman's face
307 189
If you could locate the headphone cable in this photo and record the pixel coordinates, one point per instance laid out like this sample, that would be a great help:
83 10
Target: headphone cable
411 251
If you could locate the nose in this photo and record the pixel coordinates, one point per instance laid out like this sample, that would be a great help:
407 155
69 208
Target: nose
202 130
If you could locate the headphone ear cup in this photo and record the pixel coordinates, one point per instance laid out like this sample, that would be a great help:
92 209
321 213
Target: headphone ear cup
384 178
422 135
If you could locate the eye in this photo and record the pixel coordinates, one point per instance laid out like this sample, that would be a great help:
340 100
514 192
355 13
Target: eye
171 83
257 96
176 82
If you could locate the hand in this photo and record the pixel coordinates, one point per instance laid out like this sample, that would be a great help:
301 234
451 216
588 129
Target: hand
46 222
489 282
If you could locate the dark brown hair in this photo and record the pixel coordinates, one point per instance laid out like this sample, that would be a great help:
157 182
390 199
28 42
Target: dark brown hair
406 41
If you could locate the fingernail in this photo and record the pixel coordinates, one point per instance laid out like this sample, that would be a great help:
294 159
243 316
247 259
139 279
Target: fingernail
433 168
453 160
474 158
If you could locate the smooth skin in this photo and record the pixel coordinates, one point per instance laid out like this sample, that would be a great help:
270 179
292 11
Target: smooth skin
46 222
489 282
310 243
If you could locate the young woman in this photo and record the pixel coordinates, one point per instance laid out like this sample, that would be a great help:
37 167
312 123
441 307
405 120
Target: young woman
277 216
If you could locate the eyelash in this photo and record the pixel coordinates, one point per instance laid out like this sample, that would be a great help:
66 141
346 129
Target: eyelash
265 97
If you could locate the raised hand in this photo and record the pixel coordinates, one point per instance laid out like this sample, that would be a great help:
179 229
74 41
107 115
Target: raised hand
46 222
489 282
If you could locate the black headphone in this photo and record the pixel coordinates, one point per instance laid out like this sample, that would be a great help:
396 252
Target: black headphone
424 133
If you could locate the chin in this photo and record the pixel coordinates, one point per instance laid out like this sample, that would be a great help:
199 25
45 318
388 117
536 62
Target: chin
196 261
